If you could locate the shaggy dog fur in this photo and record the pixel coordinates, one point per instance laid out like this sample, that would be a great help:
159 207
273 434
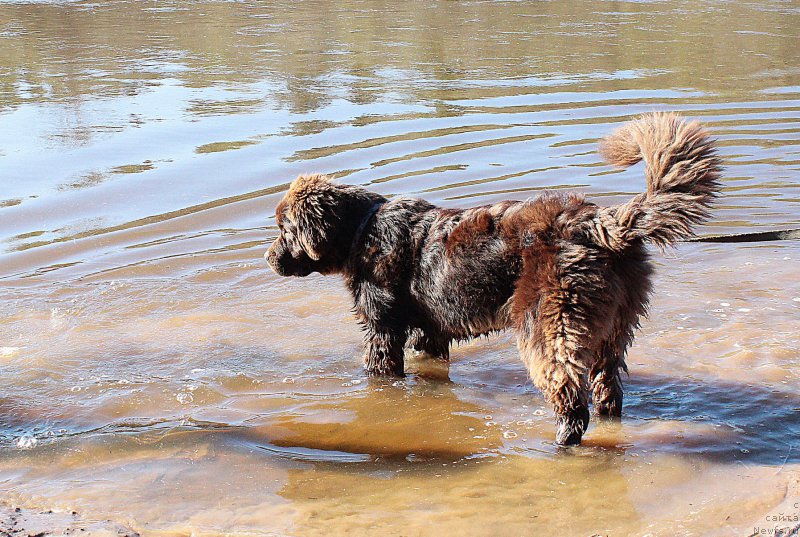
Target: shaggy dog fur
570 277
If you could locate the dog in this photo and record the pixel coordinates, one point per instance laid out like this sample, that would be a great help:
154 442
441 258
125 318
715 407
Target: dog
572 279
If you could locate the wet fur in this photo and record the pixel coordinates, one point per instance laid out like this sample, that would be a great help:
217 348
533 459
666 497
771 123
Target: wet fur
570 277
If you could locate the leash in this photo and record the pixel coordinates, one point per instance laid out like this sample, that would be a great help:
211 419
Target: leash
761 236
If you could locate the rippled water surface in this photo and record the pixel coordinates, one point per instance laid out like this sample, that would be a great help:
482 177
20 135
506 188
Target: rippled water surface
155 372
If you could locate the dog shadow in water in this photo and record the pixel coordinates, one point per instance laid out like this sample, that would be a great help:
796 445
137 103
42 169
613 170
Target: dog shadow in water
419 419
428 417
720 420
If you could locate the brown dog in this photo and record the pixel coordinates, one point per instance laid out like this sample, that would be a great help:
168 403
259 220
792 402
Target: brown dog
570 277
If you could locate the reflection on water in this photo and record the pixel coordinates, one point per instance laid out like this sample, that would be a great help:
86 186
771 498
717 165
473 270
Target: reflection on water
156 373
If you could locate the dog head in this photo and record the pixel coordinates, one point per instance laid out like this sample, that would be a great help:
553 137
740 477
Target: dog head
318 220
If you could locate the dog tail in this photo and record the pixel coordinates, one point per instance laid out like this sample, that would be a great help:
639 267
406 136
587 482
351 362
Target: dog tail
682 170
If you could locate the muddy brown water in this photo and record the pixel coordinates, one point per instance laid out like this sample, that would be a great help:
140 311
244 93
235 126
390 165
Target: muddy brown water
156 373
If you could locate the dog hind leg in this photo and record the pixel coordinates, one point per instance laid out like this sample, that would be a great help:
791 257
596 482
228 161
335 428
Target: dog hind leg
607 389
553 346
605 375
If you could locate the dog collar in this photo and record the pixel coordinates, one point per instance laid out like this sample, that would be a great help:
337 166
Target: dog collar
363 225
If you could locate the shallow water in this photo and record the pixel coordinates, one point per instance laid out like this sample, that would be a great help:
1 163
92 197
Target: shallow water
157 373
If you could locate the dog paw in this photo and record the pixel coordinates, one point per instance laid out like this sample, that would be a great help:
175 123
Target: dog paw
571 427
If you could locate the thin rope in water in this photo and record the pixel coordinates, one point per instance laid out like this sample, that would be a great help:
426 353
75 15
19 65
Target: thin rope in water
760 236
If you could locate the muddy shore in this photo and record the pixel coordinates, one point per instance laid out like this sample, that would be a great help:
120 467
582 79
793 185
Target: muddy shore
19 522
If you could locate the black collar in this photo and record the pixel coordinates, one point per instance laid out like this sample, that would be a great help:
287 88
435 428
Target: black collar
363 225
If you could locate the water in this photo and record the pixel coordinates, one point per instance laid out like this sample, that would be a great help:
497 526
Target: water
155 372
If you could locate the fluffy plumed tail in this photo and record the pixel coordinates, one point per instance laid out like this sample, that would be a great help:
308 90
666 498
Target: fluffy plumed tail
682 170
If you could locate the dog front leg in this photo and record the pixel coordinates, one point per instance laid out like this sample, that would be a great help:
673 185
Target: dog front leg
384 356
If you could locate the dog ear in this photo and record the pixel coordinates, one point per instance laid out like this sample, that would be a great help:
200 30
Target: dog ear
313 233
313 200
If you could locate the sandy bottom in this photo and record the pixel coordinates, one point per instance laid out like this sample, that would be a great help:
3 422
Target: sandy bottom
19 522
